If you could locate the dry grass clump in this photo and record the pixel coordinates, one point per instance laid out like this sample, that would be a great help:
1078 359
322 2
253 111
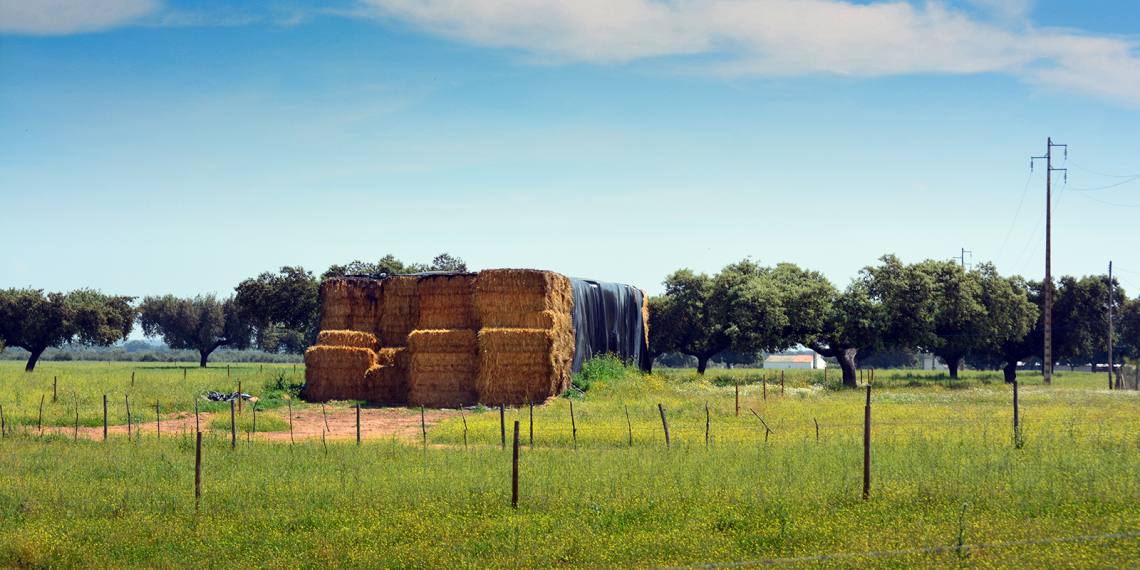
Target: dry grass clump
336 372
348 338
350 303
446 302
442 368
401 311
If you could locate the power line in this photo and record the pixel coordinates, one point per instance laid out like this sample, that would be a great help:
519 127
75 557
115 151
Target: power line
1082 193
1107 175
1015 214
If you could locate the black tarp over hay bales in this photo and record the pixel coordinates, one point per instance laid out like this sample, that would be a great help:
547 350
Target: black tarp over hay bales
610 318
499 337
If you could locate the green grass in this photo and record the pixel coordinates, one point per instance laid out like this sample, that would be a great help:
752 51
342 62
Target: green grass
945 471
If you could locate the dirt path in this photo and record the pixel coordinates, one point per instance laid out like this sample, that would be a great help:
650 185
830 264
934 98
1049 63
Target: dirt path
309 423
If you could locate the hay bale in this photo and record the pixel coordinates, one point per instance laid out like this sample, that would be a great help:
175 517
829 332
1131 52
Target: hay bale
645 315
350 303
519 366
442 368
348 338
336 373
446 302
387 384
400 312
504 296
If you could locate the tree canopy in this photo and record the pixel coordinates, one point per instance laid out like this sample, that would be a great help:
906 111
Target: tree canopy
35 322
283 308
392 266
203 323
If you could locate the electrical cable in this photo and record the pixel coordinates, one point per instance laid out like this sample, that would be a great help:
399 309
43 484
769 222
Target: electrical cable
1015 214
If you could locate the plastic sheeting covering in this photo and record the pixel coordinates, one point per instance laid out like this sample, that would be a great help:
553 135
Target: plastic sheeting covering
607 318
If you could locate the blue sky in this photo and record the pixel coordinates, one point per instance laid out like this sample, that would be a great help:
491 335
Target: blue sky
151 147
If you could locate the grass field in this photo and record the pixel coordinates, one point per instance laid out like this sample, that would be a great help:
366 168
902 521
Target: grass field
945 471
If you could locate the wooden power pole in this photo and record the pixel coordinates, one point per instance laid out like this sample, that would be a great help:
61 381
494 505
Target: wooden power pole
1047 360
1110 325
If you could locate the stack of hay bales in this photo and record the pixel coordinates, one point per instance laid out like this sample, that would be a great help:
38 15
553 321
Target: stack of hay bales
336 367
443 353
526 345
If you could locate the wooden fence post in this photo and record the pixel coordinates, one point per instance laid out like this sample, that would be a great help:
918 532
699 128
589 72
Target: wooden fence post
239 396
737 382
158 417
3 427
664 424
503 425
198 473
816 429
573 425
706 424
127 399
532 425
423 425
290 402
183 372
357 422
630 425
326 416
227 371
1016 427
54 389
233 426
249 434
132 379
76 419
464 416
104 417
781 382
765 380
767 430
867 447
197 422
40 422
515 471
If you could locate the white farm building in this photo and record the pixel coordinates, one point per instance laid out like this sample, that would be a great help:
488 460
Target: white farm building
811 361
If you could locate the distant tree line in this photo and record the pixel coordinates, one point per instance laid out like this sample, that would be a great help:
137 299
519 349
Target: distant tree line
889 311
276 313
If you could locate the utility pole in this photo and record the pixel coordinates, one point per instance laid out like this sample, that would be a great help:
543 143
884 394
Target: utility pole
1110 325
964 252
1047 360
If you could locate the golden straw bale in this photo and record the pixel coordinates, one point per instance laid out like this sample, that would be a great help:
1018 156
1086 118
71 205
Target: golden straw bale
521 291
455 340
336 373
517 366
350 303
401 310
455 362
397 357
387 385
348 338
441 390
446 302
645 314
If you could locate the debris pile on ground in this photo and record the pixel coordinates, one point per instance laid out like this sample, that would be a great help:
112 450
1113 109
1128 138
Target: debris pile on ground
223 397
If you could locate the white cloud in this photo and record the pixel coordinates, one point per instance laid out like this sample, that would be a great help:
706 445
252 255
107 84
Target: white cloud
50 17
789 37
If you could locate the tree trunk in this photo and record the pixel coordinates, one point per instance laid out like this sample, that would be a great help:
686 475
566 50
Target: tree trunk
35 356
702 363
952 365
1010 372
205 354
846 358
